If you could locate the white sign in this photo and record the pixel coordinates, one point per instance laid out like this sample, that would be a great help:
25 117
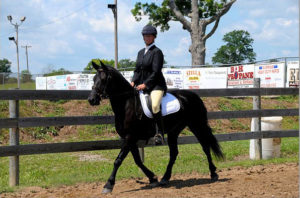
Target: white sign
40 83
71 81
83 82
240 76
213 78
271 75
191 78
127 75
293 74
174 78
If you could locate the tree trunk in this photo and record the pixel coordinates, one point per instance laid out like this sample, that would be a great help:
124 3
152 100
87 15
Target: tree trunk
198 51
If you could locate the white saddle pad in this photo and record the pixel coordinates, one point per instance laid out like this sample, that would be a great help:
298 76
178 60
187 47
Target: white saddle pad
169 105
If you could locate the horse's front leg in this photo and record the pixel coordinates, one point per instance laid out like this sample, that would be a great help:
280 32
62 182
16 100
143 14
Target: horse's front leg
137 159
108 187
172 143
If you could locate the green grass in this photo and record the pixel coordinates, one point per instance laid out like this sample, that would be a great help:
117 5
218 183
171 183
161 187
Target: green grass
28 85
57 169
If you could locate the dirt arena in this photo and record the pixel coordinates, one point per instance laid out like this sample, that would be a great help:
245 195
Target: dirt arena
258 181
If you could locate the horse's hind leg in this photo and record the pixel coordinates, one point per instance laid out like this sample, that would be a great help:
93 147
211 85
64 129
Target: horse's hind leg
137 159
203 134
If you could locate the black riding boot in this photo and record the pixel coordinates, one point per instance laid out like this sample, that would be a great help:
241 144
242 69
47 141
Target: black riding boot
159 136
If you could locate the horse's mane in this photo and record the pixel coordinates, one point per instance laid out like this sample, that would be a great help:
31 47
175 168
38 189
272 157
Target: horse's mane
117 74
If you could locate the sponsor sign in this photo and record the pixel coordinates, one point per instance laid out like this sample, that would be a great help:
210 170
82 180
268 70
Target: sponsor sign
240 76
293 74
40 83
271 75
83 82
213 78
191 78
127 75
71 81
173 77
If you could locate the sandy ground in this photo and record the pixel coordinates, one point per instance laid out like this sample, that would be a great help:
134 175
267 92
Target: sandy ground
258 181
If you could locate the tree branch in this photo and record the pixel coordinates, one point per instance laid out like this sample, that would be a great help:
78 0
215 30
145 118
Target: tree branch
223 11
216 18
186 24
213 29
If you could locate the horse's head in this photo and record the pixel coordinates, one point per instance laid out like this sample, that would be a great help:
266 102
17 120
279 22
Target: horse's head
101 80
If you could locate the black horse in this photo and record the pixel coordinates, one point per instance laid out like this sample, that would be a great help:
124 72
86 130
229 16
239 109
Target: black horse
131 126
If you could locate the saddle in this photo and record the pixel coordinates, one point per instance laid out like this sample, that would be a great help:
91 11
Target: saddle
169 104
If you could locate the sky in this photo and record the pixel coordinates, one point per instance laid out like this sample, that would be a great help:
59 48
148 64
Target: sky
69 33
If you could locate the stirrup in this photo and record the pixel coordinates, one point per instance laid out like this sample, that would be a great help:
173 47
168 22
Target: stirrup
159 139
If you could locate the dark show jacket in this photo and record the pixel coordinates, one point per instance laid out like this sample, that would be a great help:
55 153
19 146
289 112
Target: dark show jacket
148 69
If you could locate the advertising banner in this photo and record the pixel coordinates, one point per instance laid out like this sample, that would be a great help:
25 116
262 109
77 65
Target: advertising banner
191 78
40 83
240 76
292 74
271 75
127 74
71 81
174 78
83 82
213 78
56 82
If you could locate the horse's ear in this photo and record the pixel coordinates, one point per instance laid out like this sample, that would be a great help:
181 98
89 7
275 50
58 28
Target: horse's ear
103 66
96 66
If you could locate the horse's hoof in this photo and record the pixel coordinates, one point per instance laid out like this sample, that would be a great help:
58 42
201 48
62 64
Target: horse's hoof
106 190
163 182
154 184
214 177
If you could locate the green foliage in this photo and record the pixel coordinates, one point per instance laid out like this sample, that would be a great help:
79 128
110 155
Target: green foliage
60 71
238 48
4 69
26 76
126 63
89 68
44 132
161 15
5 66
122 64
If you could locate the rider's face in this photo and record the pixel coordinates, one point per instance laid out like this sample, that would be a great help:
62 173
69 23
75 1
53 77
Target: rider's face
149 39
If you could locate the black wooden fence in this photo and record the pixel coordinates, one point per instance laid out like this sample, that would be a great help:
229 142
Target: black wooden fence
15 122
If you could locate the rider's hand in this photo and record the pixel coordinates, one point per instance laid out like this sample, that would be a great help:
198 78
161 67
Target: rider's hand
132 84
141 87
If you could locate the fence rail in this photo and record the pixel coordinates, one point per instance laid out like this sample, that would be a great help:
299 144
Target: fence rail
16 122
90 120
83 95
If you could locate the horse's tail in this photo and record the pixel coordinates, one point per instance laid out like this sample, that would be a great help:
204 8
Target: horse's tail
200 127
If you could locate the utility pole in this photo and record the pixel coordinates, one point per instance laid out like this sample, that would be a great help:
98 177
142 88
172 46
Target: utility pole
114 9
16 25
26 48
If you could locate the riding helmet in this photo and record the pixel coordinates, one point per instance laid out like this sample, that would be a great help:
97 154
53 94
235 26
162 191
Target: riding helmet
149 29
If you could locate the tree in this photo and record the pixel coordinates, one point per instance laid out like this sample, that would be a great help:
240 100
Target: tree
194 15
126 63
89 68
26 76
122 64
60 71
4 69
238 48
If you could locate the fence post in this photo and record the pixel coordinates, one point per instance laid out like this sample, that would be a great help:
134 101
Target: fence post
14 140
257 121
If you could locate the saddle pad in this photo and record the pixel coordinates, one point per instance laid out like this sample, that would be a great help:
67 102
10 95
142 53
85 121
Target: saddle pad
169 104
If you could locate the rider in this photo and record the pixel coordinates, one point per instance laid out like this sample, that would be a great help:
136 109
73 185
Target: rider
149 78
